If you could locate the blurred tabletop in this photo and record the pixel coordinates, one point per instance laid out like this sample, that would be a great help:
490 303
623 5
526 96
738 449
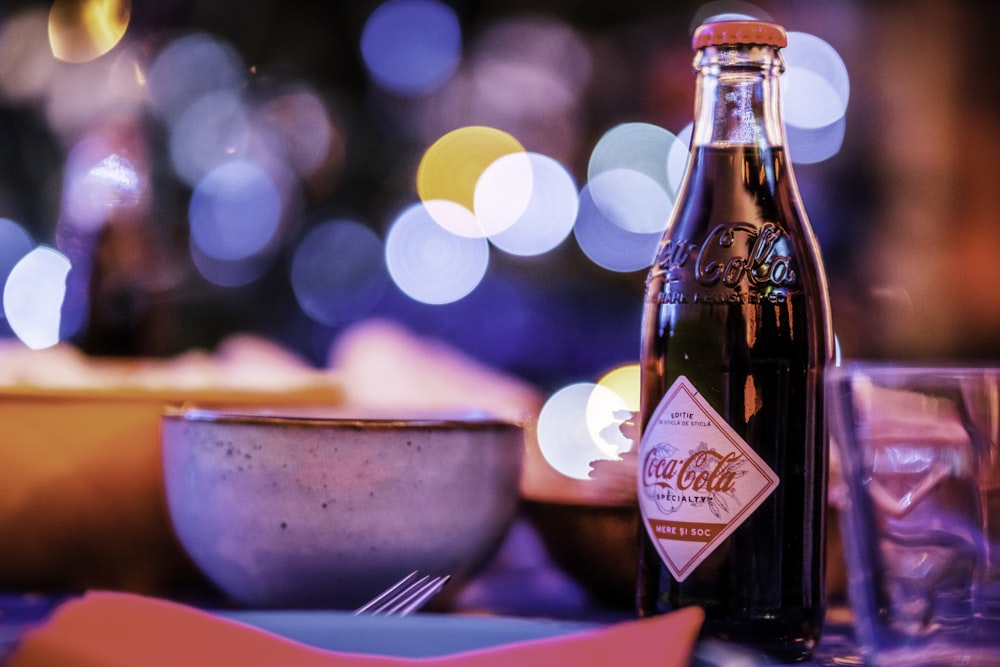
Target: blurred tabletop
521 582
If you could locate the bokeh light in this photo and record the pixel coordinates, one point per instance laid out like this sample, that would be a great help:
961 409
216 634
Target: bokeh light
98 182
549 215
816 86
33 296
629 195
503 192
80 97
454 218
212 130
234 211
606 411
609 245
615 401
812 145
631 200
307 134
338 272
26 61
450 168
229 273
528 74
728 10
541 49
677 159
815 92
624 382
189 67
241 123
640 147
411 47
809 99
564 435
82 30
429 263
15 243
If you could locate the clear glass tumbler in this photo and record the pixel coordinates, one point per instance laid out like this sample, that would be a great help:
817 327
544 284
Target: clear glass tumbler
916 459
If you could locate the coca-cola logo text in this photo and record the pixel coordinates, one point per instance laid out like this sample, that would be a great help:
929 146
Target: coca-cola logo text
734 253
703 471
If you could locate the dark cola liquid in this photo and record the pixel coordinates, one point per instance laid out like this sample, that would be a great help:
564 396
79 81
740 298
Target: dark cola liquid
754 343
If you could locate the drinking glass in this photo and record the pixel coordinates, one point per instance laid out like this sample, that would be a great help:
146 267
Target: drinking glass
917 449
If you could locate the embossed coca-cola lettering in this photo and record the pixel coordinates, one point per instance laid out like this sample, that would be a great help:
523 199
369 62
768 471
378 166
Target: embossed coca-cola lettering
733 253
675 255
722 259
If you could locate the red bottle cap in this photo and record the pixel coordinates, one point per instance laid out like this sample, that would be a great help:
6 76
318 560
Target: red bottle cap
739 32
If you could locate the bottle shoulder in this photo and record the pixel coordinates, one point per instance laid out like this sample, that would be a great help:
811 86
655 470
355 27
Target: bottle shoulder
739 221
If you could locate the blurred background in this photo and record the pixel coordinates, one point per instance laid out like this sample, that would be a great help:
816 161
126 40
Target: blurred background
176 171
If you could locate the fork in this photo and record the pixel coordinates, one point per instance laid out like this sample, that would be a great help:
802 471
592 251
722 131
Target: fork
405 596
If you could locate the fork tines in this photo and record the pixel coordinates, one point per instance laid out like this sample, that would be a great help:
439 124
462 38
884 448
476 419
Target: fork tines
405 596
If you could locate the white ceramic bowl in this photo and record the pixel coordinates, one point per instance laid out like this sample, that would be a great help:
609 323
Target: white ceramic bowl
313 511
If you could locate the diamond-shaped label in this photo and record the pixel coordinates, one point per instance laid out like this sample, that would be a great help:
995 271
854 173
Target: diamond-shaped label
698 479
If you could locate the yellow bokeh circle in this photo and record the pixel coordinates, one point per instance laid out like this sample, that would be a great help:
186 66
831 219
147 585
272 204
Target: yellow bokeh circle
83 30
451 167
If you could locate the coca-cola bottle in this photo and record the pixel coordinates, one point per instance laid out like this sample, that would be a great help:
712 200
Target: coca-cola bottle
736 335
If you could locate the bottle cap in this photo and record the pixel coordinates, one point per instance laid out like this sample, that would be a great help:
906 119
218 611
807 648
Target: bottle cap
739 32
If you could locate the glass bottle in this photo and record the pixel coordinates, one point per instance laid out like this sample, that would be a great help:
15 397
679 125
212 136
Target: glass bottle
736 335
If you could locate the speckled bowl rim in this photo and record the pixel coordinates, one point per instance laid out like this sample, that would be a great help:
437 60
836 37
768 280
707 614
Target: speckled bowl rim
262 417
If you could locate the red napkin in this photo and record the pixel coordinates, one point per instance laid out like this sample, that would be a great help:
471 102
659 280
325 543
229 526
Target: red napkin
126 630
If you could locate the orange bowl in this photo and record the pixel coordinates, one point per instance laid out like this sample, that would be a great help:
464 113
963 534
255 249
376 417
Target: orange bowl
82 499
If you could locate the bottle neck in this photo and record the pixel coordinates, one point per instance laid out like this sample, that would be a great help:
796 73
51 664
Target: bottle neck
738 97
